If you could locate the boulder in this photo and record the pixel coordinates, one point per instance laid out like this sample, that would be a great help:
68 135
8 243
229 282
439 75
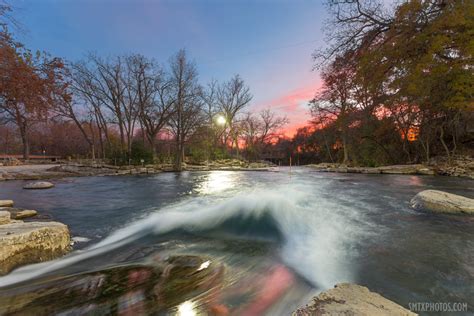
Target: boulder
6 203
25 243
4 217
351 299
38 185
442 202
19 213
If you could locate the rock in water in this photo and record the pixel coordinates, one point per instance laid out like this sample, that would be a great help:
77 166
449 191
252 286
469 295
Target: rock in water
351 299
442 202
25 243
19 213
6 203
4 217
38 185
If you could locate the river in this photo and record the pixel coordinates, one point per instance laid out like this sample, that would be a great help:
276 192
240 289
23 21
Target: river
240 242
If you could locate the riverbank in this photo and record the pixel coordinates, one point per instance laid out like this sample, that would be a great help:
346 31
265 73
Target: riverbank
63 170
264 216
459 167
23 243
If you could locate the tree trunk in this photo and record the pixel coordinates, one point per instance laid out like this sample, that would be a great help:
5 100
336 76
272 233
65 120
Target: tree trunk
92 140
441 138
25 141
344 147
179 156
327 147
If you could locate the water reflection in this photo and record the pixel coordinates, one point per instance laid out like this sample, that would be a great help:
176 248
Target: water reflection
218 181
184 285
133 289
186 309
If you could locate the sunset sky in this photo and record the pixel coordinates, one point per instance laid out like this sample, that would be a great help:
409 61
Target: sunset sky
268 42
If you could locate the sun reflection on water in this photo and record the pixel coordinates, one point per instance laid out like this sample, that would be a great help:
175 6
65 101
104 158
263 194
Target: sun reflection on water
186 309
217 181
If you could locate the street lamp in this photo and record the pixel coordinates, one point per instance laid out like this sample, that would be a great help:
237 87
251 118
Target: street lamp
220 120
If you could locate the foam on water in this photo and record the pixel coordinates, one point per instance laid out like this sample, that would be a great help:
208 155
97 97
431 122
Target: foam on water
318 241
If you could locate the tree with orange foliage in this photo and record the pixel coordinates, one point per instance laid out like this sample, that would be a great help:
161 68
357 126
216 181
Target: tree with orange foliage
335 101
30 84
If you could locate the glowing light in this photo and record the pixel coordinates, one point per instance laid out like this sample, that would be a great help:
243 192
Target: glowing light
220 120
218 181
204 265
186 309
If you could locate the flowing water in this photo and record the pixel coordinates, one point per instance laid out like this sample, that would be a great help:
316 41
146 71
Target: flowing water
240 243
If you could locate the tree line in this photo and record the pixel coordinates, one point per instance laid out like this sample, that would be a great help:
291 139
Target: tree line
127 108
397 83
397 87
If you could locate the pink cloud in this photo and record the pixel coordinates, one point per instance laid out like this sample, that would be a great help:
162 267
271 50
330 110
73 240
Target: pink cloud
292 104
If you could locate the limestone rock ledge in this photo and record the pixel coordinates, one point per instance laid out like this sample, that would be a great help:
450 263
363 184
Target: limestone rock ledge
351 299
25 243
394 169
6 203
442 202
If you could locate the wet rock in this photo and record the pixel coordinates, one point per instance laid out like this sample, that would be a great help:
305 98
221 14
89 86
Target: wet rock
6 203
457 166
19 213
428 171
351 299
399 169
370 170
25 243
4 217
442 202
395 169
38 185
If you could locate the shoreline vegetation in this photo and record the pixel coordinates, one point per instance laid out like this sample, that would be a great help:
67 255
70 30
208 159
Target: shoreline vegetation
82 169
461 166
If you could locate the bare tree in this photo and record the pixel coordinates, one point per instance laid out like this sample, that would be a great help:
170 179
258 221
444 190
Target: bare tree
233 96
69 109
154 99
271 125
187 105
6 17
353 24
111 86
88 103
259 130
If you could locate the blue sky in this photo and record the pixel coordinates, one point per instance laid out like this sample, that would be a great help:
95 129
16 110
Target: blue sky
269 43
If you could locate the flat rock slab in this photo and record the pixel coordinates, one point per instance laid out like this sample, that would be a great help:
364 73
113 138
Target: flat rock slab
6 203
38 185
19 213
351 299
25 243
442 202
4 217
394 169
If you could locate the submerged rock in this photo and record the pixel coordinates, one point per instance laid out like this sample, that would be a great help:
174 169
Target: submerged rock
38 185
351 299
19 213
155 288
442 202
25 243
6 203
